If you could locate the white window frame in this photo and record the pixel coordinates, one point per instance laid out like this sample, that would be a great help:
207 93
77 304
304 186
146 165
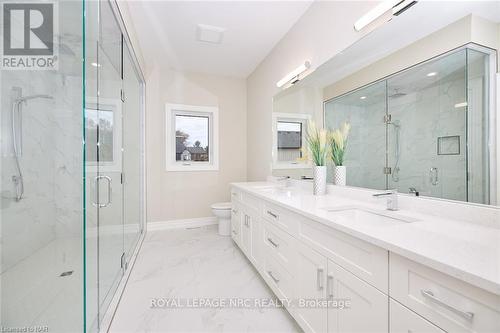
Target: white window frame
304 118
212 112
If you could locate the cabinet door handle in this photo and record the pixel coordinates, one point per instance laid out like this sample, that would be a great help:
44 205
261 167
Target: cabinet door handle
234 232
270 273
329 286
272 214
319 277
430 295
269 239
235 211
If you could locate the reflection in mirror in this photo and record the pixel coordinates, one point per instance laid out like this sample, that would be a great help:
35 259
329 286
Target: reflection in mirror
424 129
292 110
422 106
364 109
289 131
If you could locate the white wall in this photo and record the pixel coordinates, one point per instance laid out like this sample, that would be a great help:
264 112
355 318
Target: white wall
189 194
322 32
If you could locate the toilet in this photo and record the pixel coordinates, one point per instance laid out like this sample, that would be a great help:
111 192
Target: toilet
222 210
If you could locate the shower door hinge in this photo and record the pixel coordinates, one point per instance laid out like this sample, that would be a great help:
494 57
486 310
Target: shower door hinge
387 118
387 170
123 262
122 178
122 95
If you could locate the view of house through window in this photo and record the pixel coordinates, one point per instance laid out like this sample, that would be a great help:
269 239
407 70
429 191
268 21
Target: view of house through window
192 138
289 141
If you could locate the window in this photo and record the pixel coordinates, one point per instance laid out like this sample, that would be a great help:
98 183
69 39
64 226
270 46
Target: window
288 140
103 117
192 138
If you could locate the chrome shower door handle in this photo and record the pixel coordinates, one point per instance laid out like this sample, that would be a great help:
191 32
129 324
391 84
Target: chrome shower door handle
96 191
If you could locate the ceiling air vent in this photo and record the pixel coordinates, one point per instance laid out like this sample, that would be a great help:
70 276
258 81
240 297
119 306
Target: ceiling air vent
209 34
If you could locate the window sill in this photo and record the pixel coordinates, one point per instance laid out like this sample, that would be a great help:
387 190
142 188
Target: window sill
192 167
282 166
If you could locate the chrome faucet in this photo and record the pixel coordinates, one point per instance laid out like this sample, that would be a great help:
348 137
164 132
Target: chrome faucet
392 198
413 191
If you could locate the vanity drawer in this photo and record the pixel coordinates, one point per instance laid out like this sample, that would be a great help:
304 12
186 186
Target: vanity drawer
366 261
279 244
278 278
451 304
280 217
403 320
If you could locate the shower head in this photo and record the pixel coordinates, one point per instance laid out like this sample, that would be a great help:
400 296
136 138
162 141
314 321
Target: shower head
397 94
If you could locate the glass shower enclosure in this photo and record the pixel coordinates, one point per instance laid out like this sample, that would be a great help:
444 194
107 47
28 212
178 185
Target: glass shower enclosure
423 129
72 172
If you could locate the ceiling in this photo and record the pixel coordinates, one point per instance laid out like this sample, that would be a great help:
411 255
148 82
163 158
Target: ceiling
167 33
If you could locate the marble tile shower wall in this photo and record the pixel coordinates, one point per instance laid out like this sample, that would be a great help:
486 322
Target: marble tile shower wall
366 141
424 116
51 162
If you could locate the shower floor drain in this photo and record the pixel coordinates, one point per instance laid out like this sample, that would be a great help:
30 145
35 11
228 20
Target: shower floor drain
68 273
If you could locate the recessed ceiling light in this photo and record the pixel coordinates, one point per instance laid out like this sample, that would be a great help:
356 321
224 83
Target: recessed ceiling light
362 97
432 74
209 33
95 64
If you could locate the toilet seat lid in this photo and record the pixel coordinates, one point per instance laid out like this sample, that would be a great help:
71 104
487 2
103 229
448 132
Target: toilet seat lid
221 205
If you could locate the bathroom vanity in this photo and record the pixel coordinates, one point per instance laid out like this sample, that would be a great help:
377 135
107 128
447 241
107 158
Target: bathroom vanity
431 266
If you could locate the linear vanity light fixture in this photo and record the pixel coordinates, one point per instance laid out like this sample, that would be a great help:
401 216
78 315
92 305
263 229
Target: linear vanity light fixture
397 7
293 75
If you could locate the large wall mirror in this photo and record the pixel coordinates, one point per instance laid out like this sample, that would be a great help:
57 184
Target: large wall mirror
422 102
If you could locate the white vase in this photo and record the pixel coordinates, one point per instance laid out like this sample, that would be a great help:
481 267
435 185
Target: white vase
339 175
319 183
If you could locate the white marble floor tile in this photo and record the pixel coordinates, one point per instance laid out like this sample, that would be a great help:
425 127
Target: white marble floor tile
195 263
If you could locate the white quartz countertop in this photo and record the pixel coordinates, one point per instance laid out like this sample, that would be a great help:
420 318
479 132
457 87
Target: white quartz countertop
467 251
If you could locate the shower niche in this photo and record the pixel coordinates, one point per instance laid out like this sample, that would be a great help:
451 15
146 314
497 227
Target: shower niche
425 129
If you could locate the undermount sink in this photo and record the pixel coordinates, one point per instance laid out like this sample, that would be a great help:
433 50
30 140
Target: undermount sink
364 215
275 190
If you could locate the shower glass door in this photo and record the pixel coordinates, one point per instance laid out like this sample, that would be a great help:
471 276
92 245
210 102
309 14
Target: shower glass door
427 134
114 169
132 153
108 181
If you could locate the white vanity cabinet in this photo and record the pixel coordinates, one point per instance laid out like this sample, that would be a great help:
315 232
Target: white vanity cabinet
250 231
236 222
367 308
245 224
311 285
339 283
348 304
451 304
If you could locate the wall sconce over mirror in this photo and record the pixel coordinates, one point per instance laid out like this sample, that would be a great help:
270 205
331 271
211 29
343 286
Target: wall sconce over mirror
294 76
383 13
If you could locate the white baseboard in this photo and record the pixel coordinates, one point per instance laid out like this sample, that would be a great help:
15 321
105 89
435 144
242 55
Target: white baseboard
182 224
